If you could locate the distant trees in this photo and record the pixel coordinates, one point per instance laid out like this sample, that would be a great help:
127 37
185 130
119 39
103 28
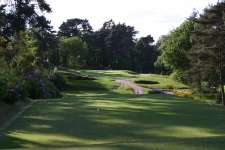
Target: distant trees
73 52
119 43
113 46
145 55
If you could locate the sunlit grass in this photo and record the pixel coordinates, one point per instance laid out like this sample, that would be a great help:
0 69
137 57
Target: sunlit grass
165 81
97 115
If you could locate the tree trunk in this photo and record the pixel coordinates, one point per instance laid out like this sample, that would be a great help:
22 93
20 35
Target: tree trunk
18 40
222 96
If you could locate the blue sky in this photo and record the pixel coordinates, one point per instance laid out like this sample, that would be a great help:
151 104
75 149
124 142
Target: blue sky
155 17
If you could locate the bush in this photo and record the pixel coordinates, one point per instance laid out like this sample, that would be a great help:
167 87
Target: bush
59 81
15 93
51 90
12 89
42 89
178 76
38 83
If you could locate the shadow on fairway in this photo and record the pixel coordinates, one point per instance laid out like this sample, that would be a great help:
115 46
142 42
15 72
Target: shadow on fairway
118 122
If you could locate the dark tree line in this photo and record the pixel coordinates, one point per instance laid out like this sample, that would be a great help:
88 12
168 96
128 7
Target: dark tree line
113 46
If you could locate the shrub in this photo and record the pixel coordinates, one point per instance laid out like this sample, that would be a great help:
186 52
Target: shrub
178 76
51 90
12 88
58 80
14 93
38 83
42 89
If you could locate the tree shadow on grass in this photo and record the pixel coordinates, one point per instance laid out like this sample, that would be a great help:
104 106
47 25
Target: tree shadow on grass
118 122
88 85
109 73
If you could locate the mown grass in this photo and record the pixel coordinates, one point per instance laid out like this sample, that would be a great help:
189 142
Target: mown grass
94 116
164 81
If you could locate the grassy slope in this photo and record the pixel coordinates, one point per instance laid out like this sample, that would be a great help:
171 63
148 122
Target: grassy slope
94 117
164 82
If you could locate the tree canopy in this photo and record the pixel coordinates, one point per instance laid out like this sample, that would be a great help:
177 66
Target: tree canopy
175 46
207 54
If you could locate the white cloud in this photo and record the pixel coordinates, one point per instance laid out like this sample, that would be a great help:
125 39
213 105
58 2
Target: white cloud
154 17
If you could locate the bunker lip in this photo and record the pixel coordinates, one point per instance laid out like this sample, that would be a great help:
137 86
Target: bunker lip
146 82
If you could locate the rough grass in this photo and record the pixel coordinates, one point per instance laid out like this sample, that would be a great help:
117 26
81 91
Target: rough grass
7 111
4 112
91 116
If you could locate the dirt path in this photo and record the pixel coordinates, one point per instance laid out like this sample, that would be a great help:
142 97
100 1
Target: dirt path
136 89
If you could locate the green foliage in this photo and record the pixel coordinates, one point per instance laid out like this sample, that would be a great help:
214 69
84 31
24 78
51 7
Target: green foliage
23 51
26 57
40 85
46 44
206 73
119 44
178 75
20 16
75 27
22 13
15 87
12 87
41 89
73 52
112 47
20 55
175 46
145 55
58 80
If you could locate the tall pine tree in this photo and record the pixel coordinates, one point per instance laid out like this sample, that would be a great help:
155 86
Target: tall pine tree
208 51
